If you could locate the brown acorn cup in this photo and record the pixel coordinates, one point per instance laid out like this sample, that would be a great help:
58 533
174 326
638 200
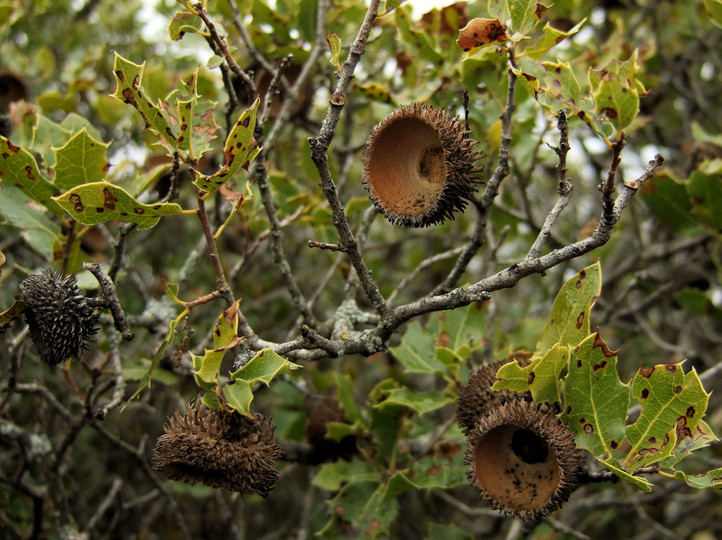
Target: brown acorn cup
523 460
219 449
477 398
419 166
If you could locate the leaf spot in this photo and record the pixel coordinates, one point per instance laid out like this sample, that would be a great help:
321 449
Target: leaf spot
77 201
646 372
645 393
588 429
690 411
110 199
138 210
530 377
29 171
580 320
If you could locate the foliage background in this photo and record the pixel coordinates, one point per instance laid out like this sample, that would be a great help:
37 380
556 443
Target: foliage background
65 473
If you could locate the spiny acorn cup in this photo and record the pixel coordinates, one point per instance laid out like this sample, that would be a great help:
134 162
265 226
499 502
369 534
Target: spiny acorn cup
219 449
419 166
523 459
59 318
477 398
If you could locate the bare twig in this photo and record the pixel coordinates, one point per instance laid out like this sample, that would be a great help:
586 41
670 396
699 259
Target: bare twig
107 288
319 146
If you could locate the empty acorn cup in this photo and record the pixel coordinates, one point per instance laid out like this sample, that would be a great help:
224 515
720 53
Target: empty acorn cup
419 166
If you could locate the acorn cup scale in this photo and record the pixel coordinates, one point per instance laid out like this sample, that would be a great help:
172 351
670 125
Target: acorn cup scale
419 166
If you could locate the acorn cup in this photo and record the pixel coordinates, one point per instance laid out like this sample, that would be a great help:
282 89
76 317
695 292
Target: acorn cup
522 459
419 166
477 398
58 315
219 449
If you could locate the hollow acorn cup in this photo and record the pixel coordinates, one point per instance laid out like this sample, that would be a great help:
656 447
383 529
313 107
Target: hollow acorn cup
523 459
419 166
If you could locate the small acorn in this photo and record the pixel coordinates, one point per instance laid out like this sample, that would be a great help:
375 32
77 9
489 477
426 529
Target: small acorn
523 459
477 398
219 449
419 166
59 318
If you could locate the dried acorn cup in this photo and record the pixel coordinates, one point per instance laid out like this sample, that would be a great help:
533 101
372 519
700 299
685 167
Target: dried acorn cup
523 459
219 449
419 166
477 398
59 318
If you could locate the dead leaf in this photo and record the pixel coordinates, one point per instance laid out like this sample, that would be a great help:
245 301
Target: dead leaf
481 32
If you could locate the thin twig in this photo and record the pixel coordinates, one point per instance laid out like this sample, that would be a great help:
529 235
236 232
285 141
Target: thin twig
110 296
319 147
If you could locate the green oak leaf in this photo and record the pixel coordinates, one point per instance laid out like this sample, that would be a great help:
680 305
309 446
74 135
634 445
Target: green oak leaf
81 160
616 90
37 229
421 402
549 38
19 168
568 323
99 202
240 149
532 85
262 368
639 482
673 403
523 15
595 399
709 479
701 437
224 337
183 22
543 375
192 120
129 78
462 330
415 351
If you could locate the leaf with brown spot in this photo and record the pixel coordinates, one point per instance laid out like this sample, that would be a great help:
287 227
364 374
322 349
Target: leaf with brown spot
568 323
129 78
549 38
83 202
597 395
481 33
19 168
240 149
81 160
658 419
